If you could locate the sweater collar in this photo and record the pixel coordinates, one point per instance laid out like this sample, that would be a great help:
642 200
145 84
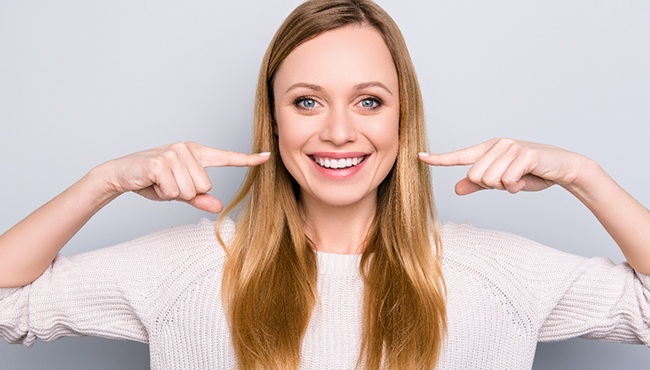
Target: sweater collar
338 264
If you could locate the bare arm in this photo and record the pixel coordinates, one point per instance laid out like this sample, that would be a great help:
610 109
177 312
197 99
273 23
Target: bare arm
515 166
30 246
173 172
626 220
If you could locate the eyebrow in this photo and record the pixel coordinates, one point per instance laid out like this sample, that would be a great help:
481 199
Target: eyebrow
359 86
364 85
305 85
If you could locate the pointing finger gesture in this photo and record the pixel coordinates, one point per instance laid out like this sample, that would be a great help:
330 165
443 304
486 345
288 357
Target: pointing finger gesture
511 165
175 172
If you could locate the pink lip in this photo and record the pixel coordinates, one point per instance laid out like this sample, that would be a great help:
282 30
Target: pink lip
338 155
339 173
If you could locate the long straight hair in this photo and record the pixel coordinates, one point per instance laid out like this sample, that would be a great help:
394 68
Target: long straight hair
269 283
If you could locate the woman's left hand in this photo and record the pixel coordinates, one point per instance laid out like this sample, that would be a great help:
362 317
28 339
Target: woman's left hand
512 165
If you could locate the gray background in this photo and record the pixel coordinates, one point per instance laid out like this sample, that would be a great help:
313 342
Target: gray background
82 82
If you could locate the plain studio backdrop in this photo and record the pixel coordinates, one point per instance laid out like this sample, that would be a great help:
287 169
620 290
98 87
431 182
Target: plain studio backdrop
83 82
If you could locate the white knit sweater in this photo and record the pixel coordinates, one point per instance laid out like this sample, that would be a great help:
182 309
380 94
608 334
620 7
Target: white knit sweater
505 294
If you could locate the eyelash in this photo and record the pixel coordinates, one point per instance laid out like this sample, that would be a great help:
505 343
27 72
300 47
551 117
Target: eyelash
302 99
375 100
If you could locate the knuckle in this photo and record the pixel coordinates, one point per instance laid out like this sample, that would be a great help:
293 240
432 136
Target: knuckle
474 178
511 185
157 164
188 194
170 155
168 194
509 181
528 154
490 181
195 150
192 145
496 141
493 183
173 194
519 148
204 187
178 147
512 188
506 142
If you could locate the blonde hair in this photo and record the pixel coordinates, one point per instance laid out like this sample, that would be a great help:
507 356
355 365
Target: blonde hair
269 284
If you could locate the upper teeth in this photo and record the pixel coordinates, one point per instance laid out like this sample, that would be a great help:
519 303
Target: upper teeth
338 163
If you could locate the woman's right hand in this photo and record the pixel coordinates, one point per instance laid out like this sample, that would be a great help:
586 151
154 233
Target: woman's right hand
173 172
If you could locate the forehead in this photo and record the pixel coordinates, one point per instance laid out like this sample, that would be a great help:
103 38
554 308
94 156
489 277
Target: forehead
341 57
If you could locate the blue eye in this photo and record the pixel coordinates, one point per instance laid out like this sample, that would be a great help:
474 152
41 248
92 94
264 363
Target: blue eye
370 103
305 102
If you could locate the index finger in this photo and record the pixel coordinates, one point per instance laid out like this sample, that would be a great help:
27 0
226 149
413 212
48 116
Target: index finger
461 157
213 157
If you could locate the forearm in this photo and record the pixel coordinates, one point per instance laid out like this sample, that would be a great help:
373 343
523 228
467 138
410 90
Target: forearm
29 247
171 172
626 220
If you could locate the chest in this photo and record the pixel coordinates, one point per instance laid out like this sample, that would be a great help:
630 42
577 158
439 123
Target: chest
486 329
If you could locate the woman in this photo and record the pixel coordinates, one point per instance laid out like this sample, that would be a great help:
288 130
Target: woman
336 259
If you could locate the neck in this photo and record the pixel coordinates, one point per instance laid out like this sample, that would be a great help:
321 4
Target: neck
338 229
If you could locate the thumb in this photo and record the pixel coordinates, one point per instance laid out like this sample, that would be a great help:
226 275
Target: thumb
466 186
206 202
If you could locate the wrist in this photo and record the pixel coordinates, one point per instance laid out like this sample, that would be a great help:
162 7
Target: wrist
98 185
589 181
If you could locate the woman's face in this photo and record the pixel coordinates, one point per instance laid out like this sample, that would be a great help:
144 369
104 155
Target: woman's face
337 113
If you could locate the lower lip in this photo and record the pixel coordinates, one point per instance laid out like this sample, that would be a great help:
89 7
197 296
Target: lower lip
339 173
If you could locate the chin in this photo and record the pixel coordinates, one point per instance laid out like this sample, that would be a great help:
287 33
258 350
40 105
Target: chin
336 199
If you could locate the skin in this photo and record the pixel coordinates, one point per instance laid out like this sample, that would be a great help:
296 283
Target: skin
172 172
511 165
337 96
337 208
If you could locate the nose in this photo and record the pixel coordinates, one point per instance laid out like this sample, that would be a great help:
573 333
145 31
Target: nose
339 127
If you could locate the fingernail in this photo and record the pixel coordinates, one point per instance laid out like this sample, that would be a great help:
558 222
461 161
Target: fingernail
265 154
423 154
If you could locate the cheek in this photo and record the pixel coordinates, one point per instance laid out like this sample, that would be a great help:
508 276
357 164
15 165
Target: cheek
285 147
385 136
289 135
291 139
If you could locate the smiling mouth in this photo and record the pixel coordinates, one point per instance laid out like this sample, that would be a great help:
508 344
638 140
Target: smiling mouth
338 163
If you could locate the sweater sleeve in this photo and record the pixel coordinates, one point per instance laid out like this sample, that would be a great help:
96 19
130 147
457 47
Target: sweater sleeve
101 293
552 294
598 299
107 293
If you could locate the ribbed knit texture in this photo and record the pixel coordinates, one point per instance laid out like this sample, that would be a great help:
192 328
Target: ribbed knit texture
505 293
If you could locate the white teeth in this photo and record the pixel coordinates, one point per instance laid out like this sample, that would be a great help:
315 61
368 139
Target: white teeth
338 163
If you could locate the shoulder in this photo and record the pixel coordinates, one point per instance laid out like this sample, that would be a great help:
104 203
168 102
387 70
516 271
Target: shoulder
177 262
181 240
502 258
467 241
185 249
501 286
